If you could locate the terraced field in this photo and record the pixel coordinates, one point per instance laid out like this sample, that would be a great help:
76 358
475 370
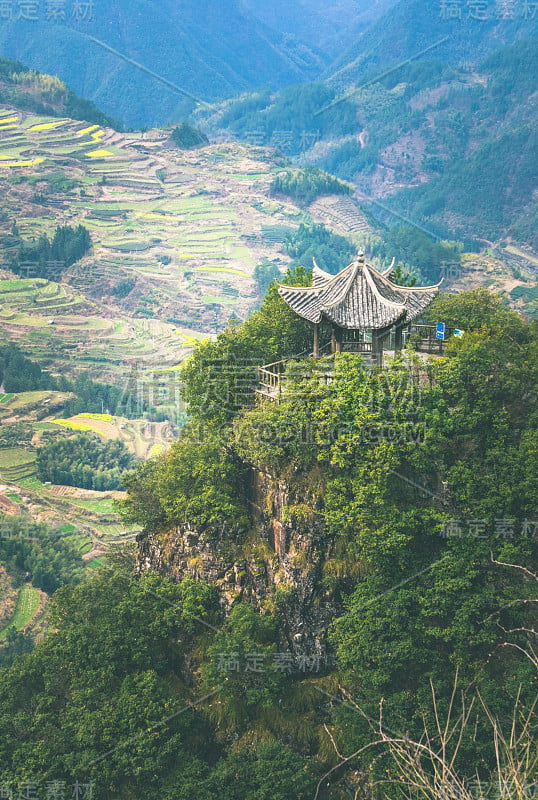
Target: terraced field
26 608
183 231
140 436
88 518
182 225
49 318
16 463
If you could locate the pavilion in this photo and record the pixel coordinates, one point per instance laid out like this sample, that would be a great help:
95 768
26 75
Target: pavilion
361 305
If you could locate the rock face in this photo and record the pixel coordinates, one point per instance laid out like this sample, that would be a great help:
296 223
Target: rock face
278 564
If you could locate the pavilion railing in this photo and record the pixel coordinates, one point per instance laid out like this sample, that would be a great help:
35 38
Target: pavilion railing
272 378
356 347
424 338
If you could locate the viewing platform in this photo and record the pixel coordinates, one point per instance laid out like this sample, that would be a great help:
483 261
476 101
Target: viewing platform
365 313
272 378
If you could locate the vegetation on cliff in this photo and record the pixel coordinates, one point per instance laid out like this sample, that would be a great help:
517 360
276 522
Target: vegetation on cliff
424 478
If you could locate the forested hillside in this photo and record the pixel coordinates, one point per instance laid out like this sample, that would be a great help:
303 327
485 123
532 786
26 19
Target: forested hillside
450 146
328 27
45 94
460 32
322 590
204 51
409 512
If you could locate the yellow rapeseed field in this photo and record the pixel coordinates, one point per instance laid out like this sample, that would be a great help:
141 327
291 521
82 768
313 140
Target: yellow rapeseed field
99 153
48 126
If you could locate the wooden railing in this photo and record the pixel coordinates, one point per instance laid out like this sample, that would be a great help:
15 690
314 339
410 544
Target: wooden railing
356 347
272 378
269 379
424 338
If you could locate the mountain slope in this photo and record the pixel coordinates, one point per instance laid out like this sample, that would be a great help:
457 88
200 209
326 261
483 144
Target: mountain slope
490 186
412 26
31 90
208 50
329 27
453 149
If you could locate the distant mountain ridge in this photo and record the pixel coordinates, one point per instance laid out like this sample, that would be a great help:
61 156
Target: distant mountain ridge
330 27
209 50
412 26
454 149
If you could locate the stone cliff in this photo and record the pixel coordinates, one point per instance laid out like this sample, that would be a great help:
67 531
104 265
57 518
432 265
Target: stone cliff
281 563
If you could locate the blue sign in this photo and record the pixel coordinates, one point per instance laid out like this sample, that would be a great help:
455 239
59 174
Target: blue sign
440 332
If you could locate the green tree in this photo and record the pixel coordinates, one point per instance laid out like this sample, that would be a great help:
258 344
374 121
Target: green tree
186 137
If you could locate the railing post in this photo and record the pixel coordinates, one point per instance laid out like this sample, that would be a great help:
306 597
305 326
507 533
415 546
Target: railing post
316 341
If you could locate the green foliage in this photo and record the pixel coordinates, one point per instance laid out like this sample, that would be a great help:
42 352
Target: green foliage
48 560
250 640
264 274
55 182
266 772
474 309
16 644
84 460
20 374
44 94
402 278
116 665
124 288
143 505
18 434
68 246
304 185
201 483
94 397
187 138
411 599
331 251
120 666
490 189
415 250
279 437
198 482
290 120
220 376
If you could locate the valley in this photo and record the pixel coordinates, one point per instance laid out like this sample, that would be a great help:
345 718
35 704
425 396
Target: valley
319 590
182 233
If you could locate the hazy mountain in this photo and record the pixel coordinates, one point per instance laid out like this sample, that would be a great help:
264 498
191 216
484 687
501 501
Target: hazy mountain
331 27
452 148
412 26
207 49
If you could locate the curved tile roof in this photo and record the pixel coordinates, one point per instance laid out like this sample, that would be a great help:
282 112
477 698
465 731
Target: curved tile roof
358 298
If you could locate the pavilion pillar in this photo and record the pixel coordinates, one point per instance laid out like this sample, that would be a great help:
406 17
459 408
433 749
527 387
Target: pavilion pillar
377 349
398 338
377 345
316 340
336 339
